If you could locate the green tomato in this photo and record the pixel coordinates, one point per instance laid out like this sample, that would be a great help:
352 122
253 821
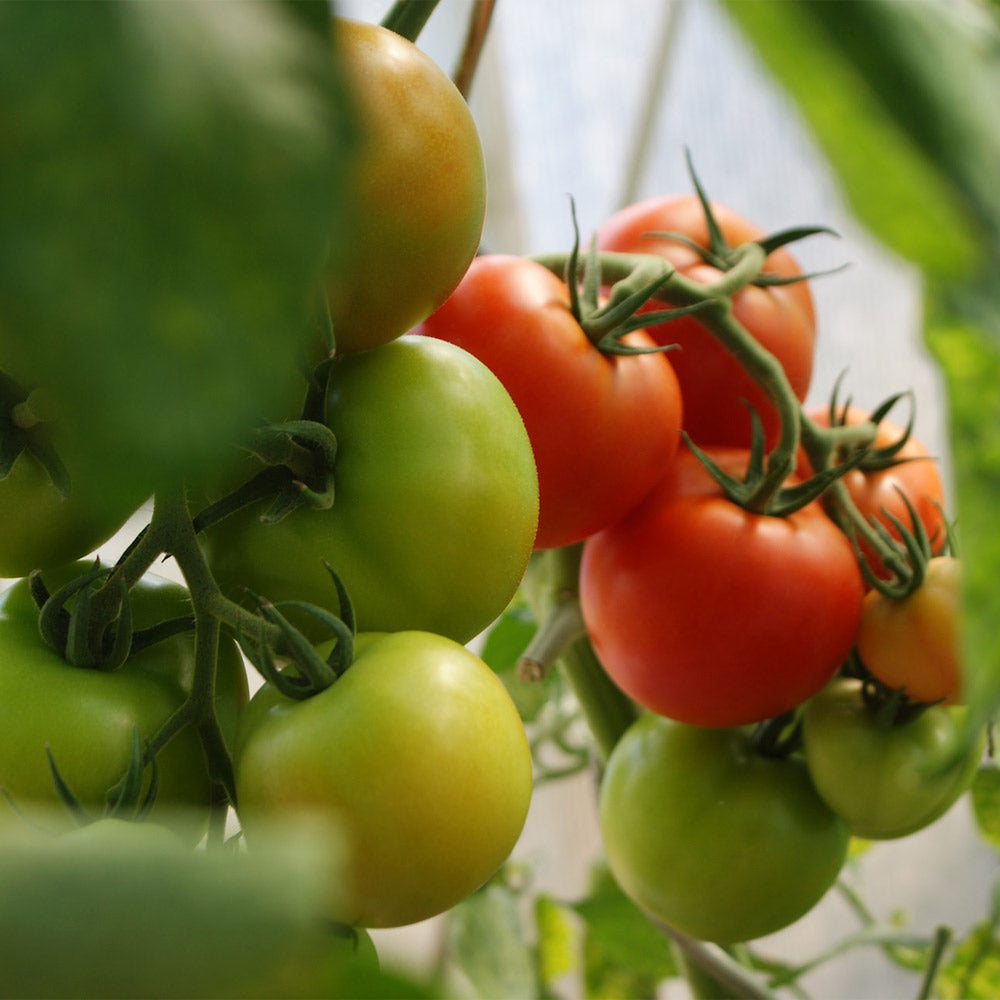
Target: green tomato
436 501
86 717
42 528
885 781
711 838
122 909
416 754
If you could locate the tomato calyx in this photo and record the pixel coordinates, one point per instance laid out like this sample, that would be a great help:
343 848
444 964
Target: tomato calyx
606 323
69 624
724 257
127 799
757 491
307 673
23 430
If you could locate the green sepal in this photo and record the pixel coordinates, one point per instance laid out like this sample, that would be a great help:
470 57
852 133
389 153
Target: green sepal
16 440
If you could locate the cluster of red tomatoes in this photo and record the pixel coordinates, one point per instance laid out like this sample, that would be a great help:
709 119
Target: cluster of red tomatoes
787 704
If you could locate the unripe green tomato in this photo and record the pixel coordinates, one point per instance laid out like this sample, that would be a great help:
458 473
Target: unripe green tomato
712 838
416 754
419 191
86 716
435 506
886 781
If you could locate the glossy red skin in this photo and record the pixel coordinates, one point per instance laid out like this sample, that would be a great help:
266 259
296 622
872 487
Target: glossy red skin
877 493
780 317
603 428
714 616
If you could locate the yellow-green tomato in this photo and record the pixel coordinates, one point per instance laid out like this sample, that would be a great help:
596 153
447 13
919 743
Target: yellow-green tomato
419 194
86 717
886 781
712 838
435 507
416 753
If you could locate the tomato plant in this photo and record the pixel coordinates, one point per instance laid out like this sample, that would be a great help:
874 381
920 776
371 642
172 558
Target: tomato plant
711 838
886 779
714 387
418 188
912 644
86 716
603 427
711 614
416 754
436 499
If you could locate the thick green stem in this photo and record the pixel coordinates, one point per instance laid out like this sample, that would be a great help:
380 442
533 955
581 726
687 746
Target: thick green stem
712 972
552 588
171 525
408 17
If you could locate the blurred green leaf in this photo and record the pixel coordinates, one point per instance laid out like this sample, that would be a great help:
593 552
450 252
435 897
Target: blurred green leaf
558 941
973 970
985 794
173 179
486 940
865 76
624 953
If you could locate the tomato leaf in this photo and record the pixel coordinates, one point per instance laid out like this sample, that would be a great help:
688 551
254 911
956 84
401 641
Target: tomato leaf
170 194
558 941
871 100
486 940
985 795
624 953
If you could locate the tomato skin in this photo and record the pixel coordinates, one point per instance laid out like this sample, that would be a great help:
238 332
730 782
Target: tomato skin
419 756
86 716
886 782
704 612
913 643
779 317
876 492
711 838
419 190
436 500
603 428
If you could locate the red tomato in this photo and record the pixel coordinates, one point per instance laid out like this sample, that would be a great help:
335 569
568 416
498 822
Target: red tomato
711 615
714 387
603 428
876 492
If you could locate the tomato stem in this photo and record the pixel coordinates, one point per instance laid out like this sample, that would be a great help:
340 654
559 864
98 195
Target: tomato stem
408 17
552 587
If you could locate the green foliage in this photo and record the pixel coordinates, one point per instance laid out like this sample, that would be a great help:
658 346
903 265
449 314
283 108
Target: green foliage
169 196
486 940
986 803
